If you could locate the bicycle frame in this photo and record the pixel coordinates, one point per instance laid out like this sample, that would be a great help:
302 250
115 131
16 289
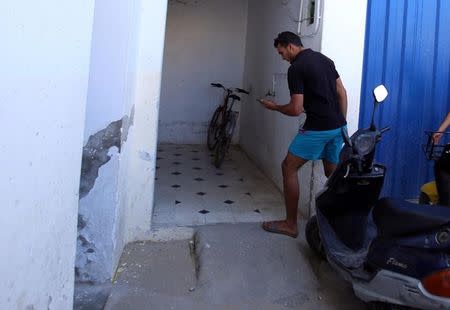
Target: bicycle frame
226 108
224 130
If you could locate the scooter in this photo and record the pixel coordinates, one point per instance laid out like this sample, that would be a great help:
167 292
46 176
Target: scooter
394 253
438 191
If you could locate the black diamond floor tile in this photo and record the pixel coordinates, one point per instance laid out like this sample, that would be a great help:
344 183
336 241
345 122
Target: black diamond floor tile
176 173
176 186
203 211
201 193
229 202
223 186
199 179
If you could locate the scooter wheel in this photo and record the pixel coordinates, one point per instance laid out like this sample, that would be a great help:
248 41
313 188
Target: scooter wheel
313 237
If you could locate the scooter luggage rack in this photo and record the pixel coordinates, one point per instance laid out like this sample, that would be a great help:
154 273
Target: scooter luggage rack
433 151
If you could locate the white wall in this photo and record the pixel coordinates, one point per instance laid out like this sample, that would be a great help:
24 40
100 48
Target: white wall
205 42
43 87
107 97
121 124
344 28
138 176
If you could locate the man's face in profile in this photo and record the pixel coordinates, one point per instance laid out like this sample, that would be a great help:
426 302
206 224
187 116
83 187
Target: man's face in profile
286 52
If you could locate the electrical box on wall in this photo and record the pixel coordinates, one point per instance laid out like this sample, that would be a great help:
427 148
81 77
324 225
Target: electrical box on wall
310 17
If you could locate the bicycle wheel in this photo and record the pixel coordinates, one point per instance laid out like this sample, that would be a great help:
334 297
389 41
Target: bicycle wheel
213 127
221 150
224 140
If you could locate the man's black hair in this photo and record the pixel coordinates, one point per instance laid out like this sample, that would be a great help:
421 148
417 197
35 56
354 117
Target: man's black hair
284 38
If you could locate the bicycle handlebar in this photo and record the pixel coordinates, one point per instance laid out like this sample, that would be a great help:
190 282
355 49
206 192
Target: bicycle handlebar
240 90
383 130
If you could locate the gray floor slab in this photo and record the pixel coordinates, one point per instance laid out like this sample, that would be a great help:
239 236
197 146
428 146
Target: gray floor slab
232 266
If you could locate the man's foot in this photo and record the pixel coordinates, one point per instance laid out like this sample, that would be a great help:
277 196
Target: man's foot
281 227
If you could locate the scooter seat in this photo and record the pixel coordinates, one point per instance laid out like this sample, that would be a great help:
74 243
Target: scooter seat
396 218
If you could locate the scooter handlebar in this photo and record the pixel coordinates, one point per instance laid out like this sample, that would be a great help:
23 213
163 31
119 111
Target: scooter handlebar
383 130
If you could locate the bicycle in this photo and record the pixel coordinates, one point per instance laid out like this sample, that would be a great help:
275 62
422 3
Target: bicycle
223 123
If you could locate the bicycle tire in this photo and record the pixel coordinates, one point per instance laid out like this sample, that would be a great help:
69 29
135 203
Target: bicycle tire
225 139
211 141
221 150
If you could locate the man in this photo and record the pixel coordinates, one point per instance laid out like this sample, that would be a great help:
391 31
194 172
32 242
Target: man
316 90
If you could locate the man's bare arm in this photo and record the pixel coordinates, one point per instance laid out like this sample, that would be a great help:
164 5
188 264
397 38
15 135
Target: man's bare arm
293 108
342 96
443 127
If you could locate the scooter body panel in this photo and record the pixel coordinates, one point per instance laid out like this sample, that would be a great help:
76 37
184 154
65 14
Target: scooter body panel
380 269
403 257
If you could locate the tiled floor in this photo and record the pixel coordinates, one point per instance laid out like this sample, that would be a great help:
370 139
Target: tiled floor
190 191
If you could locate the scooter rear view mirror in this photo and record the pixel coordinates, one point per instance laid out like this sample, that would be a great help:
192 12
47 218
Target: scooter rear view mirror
380 93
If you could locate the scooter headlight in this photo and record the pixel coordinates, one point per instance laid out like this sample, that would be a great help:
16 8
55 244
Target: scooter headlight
364 144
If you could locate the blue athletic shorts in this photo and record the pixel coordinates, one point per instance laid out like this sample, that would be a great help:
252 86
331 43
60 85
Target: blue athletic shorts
313 145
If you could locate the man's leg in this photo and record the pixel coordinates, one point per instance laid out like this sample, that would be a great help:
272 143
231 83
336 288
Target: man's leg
290 167
332 153
328 167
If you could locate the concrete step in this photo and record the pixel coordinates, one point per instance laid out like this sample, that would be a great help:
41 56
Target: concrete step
155 271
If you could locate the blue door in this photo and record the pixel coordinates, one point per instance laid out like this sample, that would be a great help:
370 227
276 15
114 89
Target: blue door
408 50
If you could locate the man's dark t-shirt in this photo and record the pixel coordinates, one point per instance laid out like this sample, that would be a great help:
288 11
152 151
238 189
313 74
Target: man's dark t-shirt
314 75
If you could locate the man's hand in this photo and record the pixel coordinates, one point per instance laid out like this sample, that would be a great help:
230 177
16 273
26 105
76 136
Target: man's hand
268 104
293 108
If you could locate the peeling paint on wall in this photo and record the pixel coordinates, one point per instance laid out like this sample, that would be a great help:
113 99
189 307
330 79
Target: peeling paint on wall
83 259
95 152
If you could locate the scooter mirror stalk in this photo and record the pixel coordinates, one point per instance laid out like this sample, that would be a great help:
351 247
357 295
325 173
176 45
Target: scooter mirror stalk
345 136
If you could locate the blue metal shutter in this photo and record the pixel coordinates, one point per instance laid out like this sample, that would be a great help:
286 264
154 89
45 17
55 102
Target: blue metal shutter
408 50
